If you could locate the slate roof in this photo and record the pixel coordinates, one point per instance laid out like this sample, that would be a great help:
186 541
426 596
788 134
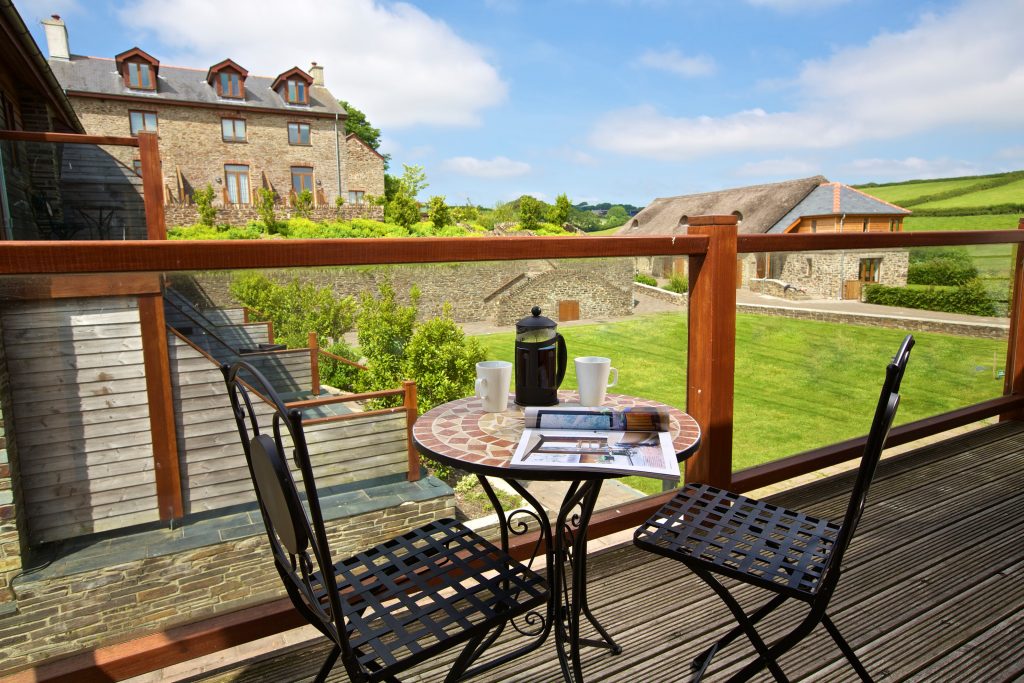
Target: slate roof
760 207
181 84
836 199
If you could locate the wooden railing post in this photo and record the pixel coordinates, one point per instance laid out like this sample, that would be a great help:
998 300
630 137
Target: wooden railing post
152 186
314 362
711 349
270 331
411 413
1014 381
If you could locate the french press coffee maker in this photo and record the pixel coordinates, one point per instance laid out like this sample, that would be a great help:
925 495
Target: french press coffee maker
540 360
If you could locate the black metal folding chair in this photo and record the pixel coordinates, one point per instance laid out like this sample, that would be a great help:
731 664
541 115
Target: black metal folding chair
794 555
392 606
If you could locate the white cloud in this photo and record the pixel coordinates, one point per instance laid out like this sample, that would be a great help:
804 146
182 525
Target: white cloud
962 68
912 167
777 168
677 63
396 63
795 5
1012 152
498 167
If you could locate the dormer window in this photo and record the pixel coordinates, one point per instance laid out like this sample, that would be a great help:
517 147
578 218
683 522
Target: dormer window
228 78
140 76
138 69
293 86
296 92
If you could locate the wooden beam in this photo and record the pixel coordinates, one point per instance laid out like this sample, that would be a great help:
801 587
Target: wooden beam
411 413
75 138
833 454
161 406
78 286
1013 384
831 241
23 258
152 186
175 645
314 361
711 348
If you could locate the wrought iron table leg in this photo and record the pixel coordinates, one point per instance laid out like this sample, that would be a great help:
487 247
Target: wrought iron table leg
570 536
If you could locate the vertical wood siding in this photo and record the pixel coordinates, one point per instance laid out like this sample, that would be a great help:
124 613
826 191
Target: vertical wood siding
82 419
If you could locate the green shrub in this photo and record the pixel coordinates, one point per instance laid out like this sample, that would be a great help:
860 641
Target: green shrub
465 214
265 198
969 298
530 212
198 231
383 330
339 201
204 204
442 360
678 284
296 309
941 271
645 280
439 213
303 204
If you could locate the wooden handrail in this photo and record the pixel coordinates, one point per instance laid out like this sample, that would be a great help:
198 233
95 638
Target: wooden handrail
342 359
830 241
346 398
75 138
40 258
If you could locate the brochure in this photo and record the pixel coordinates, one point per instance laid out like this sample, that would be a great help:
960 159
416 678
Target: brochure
625 441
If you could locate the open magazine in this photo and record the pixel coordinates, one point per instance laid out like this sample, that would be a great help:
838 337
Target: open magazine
626 441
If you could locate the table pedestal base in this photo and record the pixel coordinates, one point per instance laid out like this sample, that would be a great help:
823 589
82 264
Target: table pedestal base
565 547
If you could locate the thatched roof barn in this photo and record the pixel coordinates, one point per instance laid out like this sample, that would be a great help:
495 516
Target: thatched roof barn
772 207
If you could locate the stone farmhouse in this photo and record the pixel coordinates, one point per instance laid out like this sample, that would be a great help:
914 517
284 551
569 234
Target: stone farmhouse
224 127
795 206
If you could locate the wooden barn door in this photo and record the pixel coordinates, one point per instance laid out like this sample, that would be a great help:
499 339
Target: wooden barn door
568 309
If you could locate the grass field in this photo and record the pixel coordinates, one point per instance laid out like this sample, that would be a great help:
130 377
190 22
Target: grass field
1012 193
903 192
799 384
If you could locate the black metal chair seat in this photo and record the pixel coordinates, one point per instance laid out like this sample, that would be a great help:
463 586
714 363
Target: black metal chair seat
743 538
433 612
794 555
396 604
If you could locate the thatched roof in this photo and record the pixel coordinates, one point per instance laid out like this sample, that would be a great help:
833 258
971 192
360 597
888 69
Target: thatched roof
759 206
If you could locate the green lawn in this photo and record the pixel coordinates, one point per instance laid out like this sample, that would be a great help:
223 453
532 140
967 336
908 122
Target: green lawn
799 384
999 221
902 192
1011 193
608 232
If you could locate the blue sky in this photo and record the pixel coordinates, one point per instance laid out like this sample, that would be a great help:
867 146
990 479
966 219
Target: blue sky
623 100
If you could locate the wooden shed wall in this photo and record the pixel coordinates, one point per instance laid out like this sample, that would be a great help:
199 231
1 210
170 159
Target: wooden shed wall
81 413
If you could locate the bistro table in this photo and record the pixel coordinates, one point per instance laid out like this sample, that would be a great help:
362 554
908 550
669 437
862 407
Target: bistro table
461 435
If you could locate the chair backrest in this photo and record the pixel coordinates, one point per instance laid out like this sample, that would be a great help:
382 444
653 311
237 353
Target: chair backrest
298 540
885 412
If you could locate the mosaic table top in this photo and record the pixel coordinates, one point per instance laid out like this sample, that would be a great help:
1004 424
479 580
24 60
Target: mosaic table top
460 434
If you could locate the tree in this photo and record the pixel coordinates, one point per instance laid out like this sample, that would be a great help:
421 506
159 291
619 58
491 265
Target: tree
442 360
295 308
560 214
358 123
204 204
615 217
414 178
383 330
439 213
530 212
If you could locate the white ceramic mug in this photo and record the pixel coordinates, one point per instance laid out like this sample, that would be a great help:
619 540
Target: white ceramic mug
492 381
592 379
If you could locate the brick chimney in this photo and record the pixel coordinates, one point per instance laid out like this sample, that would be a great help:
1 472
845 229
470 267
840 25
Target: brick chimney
317 72
56 37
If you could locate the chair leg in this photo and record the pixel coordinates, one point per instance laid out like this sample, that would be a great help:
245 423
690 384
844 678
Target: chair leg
765 656
701 661
328 665
779 647
851 656
466 657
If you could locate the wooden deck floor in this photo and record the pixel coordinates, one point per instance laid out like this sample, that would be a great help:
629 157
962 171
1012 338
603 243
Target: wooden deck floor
933 588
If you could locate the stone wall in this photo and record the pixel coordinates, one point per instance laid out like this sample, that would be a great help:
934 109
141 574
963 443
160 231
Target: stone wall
821 274
501 291
190 140
365 167
187 214
10 538
64 614
661 294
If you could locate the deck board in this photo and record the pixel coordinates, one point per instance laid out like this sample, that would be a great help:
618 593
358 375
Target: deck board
933 587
